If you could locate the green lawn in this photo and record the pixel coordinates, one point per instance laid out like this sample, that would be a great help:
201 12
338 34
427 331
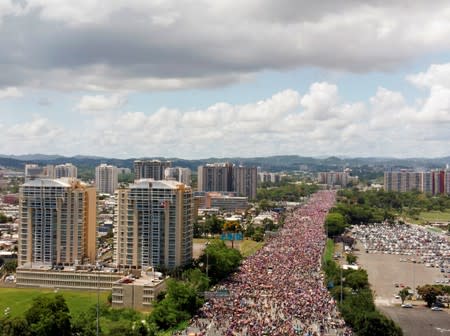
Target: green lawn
19 300
433 229
249 247
431 216
329 250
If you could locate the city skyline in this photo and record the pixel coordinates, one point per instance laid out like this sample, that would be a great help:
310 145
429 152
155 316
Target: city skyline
175 79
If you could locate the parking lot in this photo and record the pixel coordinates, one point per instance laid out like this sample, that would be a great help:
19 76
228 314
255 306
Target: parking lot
384 271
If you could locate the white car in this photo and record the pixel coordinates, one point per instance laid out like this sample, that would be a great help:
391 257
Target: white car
436 308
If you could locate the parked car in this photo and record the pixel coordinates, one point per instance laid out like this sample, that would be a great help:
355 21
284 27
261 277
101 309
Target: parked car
407 305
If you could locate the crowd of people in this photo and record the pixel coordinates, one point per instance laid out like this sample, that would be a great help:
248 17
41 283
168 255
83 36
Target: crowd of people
280 289
418 243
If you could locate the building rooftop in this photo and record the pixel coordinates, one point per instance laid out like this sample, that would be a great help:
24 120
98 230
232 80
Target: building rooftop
75 268
156 184
145 278
63 182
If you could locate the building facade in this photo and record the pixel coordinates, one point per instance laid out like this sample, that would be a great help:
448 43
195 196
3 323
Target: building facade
432 182
245 180
153 225
68 278
182 175
332 178
269 177
150 169
226 177
34 171
138 292
226 203
66 170
106 179
215 177
57 222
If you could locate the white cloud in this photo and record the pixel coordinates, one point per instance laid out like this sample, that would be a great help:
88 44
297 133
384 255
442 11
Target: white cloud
38 135
320 102
436 107
10 92
8 8
436 75
92 104
316 122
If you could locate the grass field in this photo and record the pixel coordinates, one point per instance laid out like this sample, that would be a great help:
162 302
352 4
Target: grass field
431 216
329 250
19 300
249 247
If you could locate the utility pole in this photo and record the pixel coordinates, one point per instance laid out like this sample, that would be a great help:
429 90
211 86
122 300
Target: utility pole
341 285
207 259
98 303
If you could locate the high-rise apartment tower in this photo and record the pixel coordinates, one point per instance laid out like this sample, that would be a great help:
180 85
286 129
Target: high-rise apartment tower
106 179
154 169
226 177
153 225
66 170
57 222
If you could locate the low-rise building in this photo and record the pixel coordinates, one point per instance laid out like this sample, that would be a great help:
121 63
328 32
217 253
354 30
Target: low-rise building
77 277
137 292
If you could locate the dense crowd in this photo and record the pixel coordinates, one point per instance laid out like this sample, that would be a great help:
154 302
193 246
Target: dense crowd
405 239
280 289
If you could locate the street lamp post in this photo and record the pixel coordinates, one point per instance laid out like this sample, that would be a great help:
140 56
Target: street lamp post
207 258
98 303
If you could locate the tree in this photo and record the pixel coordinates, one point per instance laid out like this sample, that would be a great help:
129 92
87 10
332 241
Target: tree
429 293
49 315
374 324
351 258
356 279
121 328
14 326
221 260
109 298
335 224
250 230
404 293
231 226
265 205
214 224
196 279
9 267
166 314
3 218
140 329
258 236
268 224
85 324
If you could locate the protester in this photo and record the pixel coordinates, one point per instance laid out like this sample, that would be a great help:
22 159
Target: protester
280 289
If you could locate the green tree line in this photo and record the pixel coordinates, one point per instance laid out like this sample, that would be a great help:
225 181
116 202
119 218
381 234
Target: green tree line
356 207
356 302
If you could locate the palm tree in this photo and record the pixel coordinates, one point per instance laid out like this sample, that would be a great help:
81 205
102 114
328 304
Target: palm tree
404 293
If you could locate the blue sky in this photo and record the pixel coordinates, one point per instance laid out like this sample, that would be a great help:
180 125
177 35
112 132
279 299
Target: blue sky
176 79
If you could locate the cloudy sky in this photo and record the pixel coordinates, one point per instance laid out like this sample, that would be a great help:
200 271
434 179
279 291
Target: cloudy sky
195 79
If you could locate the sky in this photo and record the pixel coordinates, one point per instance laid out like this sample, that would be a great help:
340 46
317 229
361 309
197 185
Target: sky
197 79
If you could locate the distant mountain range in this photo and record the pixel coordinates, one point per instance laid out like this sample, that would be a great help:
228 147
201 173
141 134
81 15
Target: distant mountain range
270 163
